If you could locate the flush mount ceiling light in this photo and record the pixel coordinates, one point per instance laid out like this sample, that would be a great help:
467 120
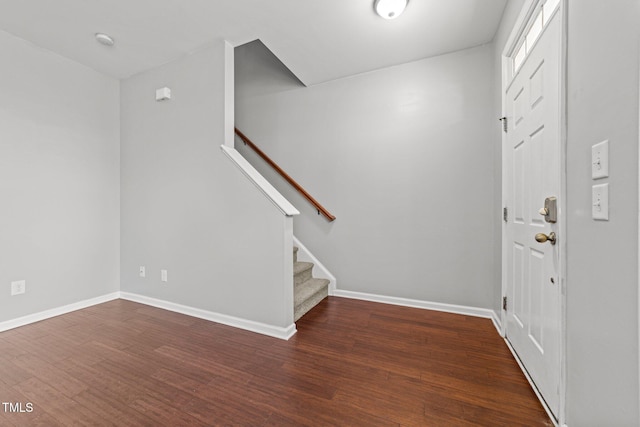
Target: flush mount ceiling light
390 9
104 39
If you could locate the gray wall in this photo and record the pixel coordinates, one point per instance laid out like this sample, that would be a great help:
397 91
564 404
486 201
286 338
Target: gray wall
59 190
602 267
187 209
402 156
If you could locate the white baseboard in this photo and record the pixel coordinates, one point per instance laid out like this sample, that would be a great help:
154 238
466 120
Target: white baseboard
47 314
449 308
319 270
497 322
236 322
249 325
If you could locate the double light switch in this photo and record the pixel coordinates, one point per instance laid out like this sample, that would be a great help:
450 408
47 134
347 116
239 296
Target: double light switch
600 192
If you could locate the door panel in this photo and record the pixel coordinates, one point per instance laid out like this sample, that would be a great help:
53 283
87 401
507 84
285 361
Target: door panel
518 292
519 182
536 186
531 158
536 299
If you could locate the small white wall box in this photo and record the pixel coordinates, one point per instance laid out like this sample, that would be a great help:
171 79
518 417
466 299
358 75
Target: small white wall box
163 94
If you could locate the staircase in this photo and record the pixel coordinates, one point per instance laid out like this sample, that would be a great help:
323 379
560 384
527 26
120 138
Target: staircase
307 291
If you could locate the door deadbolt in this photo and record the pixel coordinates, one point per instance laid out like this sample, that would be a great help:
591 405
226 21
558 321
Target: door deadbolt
550 210
551 238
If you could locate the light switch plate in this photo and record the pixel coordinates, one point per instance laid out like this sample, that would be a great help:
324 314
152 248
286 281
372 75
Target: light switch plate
600 202
600 160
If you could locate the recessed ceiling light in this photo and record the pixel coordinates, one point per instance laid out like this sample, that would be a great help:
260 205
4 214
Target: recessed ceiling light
104 39
390 9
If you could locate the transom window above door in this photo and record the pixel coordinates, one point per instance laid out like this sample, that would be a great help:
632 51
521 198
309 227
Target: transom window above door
540 18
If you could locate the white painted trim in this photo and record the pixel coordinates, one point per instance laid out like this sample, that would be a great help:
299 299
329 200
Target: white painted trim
260 182
288 296
54 312
533 386
519 26
229 94
319 270
504 201
497 322
638 262
562 226
511 44
236 322
427 305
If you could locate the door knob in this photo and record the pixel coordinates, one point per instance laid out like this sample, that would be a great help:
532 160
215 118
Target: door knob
544 211
541 238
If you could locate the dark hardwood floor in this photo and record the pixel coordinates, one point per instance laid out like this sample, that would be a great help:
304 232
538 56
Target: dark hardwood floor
352 363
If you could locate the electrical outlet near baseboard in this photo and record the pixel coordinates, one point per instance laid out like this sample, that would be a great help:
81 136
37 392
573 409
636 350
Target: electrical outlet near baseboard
163 275
18 287
143 271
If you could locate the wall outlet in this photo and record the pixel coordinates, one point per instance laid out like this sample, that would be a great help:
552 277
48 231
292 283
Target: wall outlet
143 271
19 287
163 275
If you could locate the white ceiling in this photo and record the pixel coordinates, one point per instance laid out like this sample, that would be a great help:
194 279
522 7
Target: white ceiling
318 40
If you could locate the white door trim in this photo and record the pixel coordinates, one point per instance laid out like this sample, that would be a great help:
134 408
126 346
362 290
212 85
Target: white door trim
518 29
638 264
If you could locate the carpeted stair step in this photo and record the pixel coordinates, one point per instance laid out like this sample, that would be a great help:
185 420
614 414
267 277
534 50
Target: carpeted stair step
307 291
301 272
308 294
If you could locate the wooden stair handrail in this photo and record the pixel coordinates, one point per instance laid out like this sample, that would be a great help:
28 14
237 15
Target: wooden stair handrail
294 184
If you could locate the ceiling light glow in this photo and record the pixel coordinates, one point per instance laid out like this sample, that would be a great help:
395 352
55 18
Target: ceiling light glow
390 9
104 39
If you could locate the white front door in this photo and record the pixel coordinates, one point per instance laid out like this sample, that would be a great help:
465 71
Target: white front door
531 154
